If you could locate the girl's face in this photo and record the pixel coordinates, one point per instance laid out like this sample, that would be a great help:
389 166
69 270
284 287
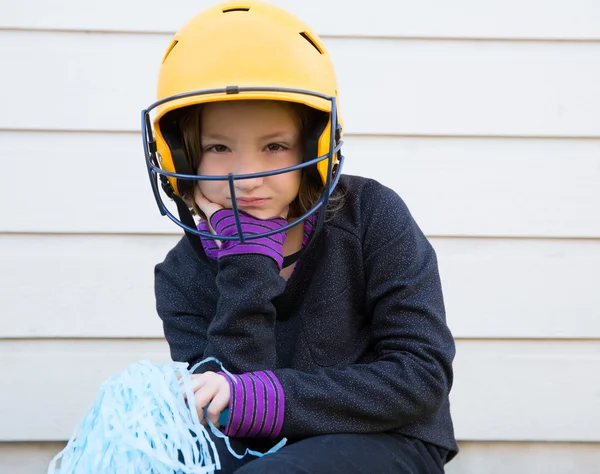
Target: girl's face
247 136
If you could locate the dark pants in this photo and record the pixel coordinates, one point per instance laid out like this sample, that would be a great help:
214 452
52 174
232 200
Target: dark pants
338 453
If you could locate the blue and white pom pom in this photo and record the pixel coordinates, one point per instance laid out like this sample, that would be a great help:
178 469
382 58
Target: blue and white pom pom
140 423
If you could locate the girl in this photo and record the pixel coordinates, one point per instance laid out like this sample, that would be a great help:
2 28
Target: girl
317 291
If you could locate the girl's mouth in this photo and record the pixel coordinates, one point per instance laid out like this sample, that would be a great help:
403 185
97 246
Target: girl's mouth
254 202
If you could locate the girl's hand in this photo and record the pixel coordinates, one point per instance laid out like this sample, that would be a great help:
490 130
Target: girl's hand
210 390
206 206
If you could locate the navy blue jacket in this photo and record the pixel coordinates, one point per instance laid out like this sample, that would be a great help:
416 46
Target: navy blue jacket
357 336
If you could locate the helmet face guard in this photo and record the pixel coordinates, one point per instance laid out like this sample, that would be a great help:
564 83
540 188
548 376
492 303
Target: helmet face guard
155 172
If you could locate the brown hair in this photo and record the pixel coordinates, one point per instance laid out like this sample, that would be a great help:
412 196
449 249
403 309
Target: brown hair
311 186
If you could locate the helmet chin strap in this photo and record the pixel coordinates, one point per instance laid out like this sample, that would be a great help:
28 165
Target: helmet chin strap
186 217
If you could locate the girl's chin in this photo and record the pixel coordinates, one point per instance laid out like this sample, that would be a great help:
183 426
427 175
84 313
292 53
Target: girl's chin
260 213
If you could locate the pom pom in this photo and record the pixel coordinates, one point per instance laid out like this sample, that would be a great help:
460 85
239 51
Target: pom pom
140 423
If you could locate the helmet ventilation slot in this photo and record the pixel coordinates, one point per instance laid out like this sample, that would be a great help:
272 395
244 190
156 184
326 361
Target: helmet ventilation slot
236 9
171 47
307 37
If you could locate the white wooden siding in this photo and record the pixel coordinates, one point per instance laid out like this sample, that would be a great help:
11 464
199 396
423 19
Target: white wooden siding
503 19
454 186
101 286
101 81
484 116
496 396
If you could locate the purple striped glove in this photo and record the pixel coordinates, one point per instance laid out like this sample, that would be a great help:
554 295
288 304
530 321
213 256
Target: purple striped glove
256 405
223 222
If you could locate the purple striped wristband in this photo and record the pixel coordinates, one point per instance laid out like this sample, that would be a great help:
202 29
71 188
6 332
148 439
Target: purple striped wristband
256 405
223 222
210 245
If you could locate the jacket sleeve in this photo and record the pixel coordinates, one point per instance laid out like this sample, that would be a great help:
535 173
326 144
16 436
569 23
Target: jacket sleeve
241 332
411 375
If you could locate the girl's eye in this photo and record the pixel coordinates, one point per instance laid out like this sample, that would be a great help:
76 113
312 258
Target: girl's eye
275 147
217 148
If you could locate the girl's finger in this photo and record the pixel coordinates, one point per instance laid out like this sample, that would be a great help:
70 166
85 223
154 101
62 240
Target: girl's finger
203 397
206 206
201 201
217 405
197 382
198 196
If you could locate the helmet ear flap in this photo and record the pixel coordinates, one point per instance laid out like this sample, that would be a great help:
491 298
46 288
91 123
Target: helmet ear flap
316 121
170 126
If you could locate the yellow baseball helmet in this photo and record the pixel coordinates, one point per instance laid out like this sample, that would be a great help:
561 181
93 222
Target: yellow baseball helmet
242 50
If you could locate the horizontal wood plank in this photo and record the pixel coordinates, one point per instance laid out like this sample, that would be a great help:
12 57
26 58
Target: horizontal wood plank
504 390
535 19
28 458
474 458
97 183
94 81
530 458
102 287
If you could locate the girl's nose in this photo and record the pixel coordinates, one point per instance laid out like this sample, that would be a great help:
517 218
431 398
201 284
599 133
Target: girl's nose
248 165
247 185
